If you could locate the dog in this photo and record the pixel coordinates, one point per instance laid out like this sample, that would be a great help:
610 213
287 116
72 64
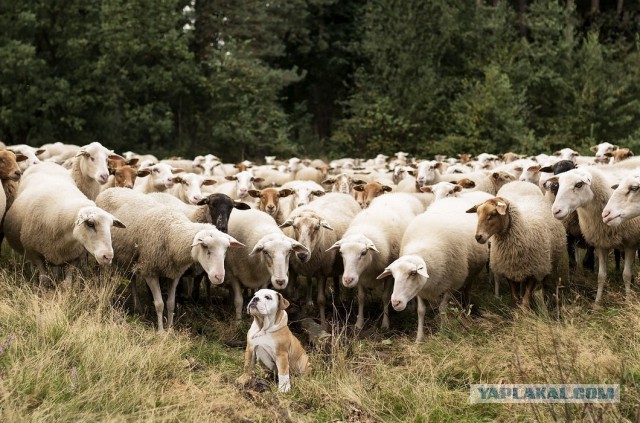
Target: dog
270 341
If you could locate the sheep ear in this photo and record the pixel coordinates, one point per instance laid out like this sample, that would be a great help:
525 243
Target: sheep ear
82 153
230 178
287 223
285 192
384 274
372 246
335 246
20 157
133 161
234 243
358 182
178 180
111 170
411 172
546 169
254 193
426 188
386 188
257 180
142 173
299 248
256 249
457 188
473 209
325 224
203 201
116 157
501 207
196 242
557 153
241 206
358 188
422 271
282 302
318 193
594 148
39 151
329 181
176 170
615 186
534 168
495 175
466 183
118 224
209 182
615 147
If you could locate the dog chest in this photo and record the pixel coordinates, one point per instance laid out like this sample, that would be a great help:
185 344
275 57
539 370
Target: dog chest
264 350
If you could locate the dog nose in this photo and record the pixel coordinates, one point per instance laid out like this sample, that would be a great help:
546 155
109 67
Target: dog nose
254 300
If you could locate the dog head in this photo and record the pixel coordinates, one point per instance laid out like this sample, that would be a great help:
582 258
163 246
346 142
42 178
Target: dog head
267 304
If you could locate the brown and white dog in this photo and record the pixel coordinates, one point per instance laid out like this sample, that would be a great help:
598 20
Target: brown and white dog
270 341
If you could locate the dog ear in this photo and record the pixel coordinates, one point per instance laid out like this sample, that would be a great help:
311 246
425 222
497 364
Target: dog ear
282 303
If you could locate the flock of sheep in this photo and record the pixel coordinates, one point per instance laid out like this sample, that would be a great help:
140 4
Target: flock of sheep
419 229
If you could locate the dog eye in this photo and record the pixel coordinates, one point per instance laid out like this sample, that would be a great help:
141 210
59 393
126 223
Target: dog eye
267 297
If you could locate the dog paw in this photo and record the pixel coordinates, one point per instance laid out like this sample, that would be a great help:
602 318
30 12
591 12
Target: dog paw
284 385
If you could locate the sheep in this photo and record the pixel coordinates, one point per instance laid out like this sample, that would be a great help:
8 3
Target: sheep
428 172
622 154
179 163
365 194
160 179
624 203
269 201
124 177
10 174
318 225
373 240
438 256
31 153
188 187
268 260
526 246
239 185
603 151
567 154
163 242
207 163
89 169
342 183
52 221
519 188
452 189
58 152
587 190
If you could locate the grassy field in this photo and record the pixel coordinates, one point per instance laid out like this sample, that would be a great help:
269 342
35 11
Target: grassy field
79 355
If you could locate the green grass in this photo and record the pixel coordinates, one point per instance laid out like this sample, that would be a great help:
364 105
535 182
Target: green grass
78 355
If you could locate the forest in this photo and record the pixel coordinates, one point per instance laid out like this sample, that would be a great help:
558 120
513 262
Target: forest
320 78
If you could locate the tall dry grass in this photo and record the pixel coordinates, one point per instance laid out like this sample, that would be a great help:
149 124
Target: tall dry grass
75 354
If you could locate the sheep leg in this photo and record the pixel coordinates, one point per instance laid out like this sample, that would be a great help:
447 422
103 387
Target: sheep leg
136 299
629 257
171 301
309 292
529 286
361 296
154 286
616 257
603 253
43 278
496 284
68 276
386 299
321 299
195 291
442 308
237 298
422 310
514 295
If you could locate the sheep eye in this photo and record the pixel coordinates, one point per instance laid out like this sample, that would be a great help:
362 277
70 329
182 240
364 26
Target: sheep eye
91 224
579 184
363 253
633 188
92 159
156 170
413 273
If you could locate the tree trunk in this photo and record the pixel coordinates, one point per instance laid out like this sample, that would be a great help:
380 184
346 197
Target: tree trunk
595 7
619 8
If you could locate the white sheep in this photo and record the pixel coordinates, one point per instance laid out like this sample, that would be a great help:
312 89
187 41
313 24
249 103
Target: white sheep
268 260
89 169
588 190
161 178
438 256
163 242
526 245
31 153
239 185
318 225
51 221
624 203
188 187
371 242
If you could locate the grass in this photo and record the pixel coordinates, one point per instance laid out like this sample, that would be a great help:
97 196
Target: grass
77 354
